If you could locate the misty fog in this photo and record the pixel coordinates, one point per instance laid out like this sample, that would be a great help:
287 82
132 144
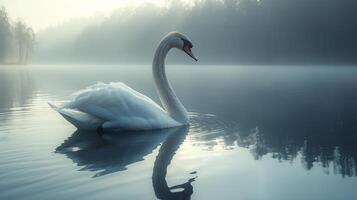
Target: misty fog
227 32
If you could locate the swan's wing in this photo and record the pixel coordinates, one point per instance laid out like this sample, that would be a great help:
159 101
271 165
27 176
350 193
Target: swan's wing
116 97
99 112
121 107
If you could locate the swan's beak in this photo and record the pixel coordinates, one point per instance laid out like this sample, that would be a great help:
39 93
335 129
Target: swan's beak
189 52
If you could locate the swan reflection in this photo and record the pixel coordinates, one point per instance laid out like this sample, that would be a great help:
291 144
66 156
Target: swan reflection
113 152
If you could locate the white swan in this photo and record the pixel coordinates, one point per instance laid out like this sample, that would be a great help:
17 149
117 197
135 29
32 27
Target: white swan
117 106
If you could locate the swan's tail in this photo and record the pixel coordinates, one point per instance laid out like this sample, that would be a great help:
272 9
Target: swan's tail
79 119
53 106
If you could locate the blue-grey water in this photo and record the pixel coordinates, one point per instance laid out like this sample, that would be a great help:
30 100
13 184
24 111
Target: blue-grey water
256 132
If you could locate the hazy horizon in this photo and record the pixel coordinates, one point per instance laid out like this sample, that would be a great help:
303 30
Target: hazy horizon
248 32
44 14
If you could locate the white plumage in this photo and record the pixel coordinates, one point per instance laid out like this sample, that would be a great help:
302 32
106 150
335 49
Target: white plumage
114 106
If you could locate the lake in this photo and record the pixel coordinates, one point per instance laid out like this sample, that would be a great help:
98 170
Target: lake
257 132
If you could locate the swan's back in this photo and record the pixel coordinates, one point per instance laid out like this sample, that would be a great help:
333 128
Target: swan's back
119 106
113 96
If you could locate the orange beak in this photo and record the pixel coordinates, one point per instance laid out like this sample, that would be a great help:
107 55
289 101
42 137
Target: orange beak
189 52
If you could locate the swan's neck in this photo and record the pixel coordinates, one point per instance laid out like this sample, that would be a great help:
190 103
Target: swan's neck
168 98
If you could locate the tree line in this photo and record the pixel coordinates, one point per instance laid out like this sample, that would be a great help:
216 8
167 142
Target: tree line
16 40
224 31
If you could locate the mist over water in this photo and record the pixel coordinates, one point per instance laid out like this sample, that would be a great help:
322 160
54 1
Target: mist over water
248 131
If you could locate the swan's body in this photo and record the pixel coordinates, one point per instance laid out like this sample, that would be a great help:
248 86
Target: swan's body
117 106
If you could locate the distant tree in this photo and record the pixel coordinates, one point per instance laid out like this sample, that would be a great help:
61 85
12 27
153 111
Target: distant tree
5 34
29 42
225 31
20 32
25 38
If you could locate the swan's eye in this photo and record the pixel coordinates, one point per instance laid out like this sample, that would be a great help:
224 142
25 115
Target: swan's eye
186 44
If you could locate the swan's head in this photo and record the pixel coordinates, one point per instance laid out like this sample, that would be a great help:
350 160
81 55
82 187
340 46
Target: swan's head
182 42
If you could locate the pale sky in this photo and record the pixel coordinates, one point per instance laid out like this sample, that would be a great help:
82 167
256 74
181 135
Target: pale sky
42 13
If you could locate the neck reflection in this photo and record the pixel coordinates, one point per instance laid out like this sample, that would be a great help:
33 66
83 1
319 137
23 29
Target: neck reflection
163 160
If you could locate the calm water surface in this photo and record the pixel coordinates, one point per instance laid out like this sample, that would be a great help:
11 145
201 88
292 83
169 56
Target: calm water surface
256 133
